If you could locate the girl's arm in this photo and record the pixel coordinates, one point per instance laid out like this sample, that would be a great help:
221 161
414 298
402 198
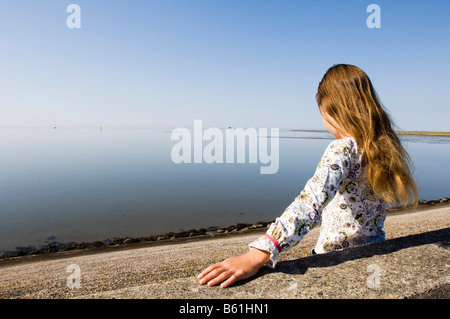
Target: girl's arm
305 211
303 214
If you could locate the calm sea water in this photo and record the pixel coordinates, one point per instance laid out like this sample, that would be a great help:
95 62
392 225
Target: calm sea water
73 185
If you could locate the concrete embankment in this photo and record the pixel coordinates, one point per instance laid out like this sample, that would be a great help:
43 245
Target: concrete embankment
413 262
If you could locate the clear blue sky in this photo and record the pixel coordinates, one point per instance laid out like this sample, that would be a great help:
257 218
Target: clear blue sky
165 63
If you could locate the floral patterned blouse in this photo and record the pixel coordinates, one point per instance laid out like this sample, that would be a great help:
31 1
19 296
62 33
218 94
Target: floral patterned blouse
339 198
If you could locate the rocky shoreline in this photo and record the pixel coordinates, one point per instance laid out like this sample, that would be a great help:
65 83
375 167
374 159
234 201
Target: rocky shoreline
209 232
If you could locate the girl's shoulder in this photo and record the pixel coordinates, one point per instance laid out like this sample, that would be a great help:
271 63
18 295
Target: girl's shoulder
346 147
348 143
345 154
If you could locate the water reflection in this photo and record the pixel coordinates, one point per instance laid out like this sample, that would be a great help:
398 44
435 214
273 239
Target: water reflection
74 185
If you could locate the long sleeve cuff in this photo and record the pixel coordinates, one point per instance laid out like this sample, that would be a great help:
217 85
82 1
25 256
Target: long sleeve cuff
268 244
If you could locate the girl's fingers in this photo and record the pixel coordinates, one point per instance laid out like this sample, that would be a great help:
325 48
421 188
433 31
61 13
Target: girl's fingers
211 275
207 270
229 281
219 278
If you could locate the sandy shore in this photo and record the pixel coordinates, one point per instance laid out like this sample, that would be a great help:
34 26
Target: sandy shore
168 270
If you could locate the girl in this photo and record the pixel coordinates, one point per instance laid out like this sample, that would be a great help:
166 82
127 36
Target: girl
362 170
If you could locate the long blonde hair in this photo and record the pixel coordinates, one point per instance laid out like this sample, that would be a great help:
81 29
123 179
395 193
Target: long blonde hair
347 95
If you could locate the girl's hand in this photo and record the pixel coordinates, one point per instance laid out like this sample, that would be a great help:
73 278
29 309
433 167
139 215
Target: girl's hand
233 269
